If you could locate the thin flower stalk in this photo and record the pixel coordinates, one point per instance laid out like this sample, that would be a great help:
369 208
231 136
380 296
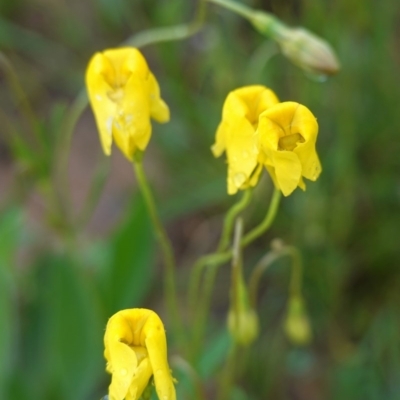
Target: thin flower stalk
166 247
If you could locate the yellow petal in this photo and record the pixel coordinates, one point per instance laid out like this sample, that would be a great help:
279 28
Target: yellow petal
220 139
142 332
302 184
104 109
123 363
236 134
241 154
289 128
157 348
158 109
140 380
248 102
124 94
287 170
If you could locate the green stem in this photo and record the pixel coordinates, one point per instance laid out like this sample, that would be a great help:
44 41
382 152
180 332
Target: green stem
20 98
189 372
262 21
170 33
267 261
62 152
297 273
266 223
212 262
237 272
165 244
96 189
209 259
259 269
230 219
212 259
228 374
237 8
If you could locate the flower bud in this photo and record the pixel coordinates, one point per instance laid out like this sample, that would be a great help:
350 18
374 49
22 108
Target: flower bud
309 51
243 326
300 46
297 326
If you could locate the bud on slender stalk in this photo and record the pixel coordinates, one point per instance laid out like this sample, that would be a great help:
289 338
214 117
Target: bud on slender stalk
243 325
300 46
297 326
309 52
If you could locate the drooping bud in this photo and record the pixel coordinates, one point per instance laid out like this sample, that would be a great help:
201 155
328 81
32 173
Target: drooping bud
242 318
303 48
309 52
243 325
297 326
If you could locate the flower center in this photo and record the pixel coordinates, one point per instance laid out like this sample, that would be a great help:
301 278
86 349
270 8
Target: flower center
290 142
116 95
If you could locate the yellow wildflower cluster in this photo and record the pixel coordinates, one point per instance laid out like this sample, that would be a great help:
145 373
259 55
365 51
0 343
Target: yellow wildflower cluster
257 130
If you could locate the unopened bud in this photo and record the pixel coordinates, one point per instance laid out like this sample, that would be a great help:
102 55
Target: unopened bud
300 46
309 51
297 326
243 326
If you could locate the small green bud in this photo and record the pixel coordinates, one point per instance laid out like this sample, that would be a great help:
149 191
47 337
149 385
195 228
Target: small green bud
309 51
300 46
243 326
297 326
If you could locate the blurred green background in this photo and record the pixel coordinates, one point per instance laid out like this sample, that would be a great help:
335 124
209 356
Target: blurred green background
65 266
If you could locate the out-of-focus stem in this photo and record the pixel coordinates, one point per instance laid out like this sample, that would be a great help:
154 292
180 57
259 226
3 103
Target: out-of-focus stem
20 98
212 262
267 261
266 223
228 373
170 33
166 247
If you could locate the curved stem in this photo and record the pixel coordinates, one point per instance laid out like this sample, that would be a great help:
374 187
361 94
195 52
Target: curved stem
166 247
266 223
210 259
62 151
212 262
98 183
180 363
20 98
228 374
230 219
258 270
267 261
170 33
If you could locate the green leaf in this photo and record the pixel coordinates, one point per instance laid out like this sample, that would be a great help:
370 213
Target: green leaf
63 331
10 237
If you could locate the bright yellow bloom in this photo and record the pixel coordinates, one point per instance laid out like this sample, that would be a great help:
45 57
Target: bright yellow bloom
237 134
124 94
287 134
136 349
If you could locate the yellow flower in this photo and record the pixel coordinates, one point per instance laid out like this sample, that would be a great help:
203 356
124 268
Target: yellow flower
136 349
124 94
287 134
237 136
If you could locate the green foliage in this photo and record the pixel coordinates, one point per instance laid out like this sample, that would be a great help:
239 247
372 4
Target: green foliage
59 283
